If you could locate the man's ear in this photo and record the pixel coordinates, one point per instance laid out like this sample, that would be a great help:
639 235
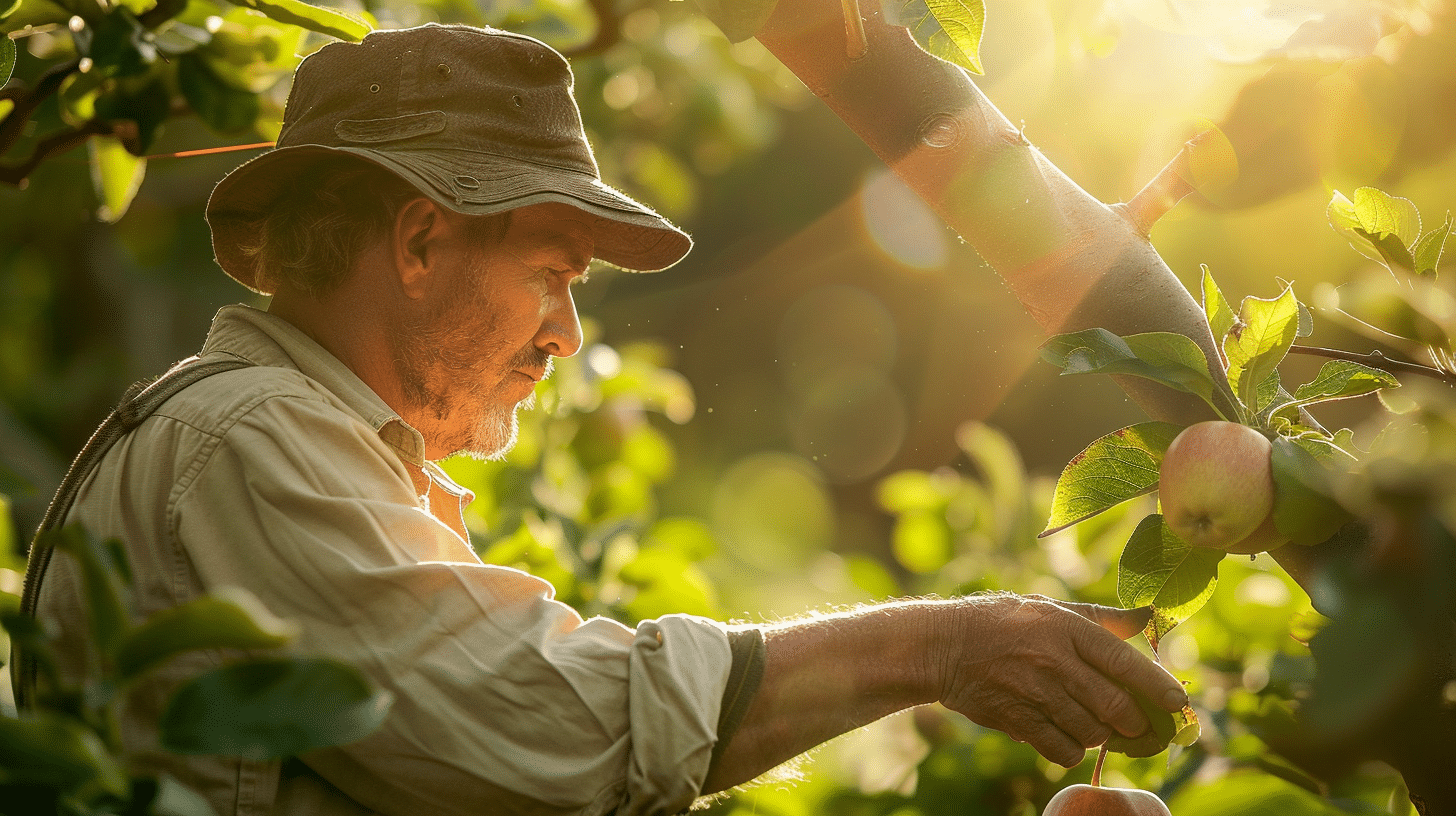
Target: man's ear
418 228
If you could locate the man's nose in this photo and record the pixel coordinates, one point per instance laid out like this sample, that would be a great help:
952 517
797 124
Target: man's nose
560 334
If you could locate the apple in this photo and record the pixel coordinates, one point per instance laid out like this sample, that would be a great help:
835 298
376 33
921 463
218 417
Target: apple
1094 800
1216 486
1264 538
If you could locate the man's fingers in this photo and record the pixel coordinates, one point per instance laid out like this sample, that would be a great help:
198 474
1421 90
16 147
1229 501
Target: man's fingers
1076 721
1052 743
1127 665
1121 622
1109 702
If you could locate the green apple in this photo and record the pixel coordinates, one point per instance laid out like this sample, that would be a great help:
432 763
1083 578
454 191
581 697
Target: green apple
1216 485
1092 800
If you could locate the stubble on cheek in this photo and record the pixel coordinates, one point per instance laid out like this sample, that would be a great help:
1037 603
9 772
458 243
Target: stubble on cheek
451 368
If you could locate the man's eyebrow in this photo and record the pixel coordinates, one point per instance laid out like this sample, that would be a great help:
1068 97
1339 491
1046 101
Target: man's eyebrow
575 251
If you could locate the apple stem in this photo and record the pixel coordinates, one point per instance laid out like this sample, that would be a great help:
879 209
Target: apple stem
1097 769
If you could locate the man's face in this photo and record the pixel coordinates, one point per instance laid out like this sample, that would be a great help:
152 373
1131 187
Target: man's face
473 353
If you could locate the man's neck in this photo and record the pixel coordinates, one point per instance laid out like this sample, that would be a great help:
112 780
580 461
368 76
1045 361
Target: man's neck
350 325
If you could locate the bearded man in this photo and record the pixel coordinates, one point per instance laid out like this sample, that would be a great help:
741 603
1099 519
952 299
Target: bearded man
431 202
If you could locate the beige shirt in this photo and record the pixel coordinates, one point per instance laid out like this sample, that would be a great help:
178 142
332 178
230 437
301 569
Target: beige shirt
294 480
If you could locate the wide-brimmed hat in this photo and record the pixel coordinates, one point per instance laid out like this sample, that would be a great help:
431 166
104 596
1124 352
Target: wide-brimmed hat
478 119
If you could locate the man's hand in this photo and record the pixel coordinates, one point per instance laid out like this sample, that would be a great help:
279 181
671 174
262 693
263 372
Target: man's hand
1050 673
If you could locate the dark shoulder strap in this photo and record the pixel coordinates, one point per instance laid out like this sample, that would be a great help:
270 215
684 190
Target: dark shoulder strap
139 402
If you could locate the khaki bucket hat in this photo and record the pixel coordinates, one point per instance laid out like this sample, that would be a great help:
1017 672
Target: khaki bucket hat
478 119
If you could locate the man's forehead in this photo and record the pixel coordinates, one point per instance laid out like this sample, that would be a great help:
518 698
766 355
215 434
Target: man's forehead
557 226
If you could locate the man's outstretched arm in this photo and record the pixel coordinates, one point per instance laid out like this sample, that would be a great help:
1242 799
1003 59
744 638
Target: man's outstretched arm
1047 673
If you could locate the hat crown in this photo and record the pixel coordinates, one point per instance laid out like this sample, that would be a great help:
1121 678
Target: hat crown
440 86
478 119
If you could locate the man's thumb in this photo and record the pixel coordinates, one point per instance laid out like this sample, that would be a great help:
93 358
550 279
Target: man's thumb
1121 622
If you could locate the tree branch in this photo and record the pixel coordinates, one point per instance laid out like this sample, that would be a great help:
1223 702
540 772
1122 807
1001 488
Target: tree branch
1377 360
51 145
1160 195
27 100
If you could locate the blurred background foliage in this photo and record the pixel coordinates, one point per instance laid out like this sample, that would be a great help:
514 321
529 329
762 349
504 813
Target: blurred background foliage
832 400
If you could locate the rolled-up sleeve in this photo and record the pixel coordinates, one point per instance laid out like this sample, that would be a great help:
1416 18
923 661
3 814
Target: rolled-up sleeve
506 701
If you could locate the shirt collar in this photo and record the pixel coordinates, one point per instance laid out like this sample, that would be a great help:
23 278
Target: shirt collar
268 340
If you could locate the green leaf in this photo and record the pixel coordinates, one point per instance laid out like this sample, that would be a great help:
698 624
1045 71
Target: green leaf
120 46
1345 441
160 12
1163 730
1379 226
1169 358
328 21
1393 253
1258 342
1342 379
266 709
1383 214
1427 251
1187 728
1267 392
1111 470
56 751
963 22
738 19
229 618
1249 793
116 176
175 799
1216 308
7 54
1306 322
1158 569
220 106
103 578
27 634
33 13
145 100
1304 507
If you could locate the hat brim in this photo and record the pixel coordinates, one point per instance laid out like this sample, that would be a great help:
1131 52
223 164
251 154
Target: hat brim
628 234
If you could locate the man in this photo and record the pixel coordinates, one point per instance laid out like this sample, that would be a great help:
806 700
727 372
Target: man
431 202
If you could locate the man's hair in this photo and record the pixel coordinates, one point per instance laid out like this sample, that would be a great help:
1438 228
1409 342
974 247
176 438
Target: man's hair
313 232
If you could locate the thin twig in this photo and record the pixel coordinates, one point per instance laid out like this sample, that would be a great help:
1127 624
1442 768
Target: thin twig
28 99
51 145
1376 360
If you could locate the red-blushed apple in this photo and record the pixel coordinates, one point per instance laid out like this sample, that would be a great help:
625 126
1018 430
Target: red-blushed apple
1216 484
1091 800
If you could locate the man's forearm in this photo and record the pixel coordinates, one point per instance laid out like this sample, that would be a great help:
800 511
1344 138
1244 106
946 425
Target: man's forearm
826 676
1049 673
